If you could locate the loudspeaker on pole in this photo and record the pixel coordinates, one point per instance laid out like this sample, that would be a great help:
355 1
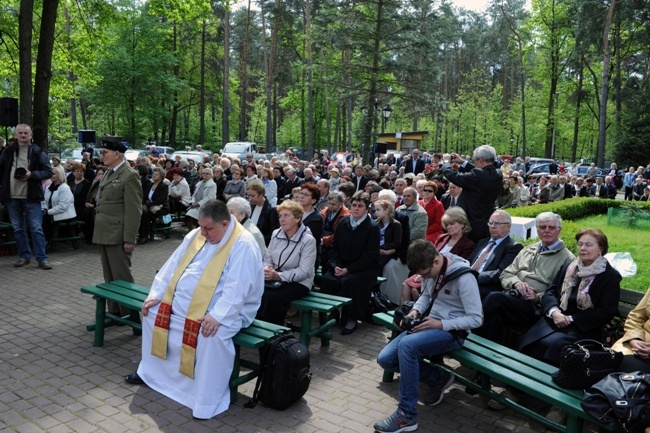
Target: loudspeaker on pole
8 111
86 136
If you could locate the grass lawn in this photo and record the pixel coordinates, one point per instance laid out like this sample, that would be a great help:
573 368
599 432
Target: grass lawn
634 240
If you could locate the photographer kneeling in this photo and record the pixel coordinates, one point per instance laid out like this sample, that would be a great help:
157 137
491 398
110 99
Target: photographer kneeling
455 308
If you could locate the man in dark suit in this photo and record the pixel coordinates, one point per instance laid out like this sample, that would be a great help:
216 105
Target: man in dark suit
599 190
359 179
263 215
495 253
453 197
293 181
481 183
415 165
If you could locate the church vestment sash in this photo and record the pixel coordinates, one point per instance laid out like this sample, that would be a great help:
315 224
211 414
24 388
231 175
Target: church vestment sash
203 293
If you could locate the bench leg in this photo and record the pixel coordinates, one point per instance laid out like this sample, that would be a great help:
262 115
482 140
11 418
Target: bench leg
325 337
235 375
100 319
134 316
305 327
573 424
388 376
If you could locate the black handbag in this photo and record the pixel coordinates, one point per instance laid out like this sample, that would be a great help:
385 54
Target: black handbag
584 363
622 398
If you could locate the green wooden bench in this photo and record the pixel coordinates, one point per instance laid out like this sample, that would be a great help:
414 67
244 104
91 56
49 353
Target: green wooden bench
519 371
72 230
257 336
514 369
322 304
158 226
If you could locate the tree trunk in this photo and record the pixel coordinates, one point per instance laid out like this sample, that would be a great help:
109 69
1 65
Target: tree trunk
604 90
310 76
202 90
25 59
225 130
370 120
576 120
44 74
243 85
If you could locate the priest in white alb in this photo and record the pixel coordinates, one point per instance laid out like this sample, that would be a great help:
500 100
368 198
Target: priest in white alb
205 293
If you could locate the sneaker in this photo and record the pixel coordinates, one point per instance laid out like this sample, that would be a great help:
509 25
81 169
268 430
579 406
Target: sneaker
396 423
495 405
437 392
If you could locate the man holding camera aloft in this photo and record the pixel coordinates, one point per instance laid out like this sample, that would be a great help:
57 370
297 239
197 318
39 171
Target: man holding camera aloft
455 308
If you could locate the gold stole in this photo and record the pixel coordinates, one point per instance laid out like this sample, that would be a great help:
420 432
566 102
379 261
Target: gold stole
201 298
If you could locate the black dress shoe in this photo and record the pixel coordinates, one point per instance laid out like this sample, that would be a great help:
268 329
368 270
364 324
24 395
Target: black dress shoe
143 240
134 379
348 331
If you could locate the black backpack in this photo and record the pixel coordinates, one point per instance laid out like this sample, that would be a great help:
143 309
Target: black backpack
285 375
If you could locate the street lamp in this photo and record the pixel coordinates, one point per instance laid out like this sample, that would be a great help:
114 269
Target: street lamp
385 115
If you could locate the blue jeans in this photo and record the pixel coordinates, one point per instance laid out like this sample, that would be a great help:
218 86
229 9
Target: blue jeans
403 355
19 211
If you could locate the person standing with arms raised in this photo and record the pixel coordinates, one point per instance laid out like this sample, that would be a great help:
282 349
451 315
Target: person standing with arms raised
481 183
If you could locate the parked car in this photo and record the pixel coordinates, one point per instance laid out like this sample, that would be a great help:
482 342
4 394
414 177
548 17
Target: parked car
538 169
132 155
601 172
76 154
239 149
185 155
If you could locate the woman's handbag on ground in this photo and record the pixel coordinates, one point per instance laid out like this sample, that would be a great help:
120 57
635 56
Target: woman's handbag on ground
622 398
584 363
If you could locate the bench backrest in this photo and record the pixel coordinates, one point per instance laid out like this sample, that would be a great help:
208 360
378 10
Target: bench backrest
628 300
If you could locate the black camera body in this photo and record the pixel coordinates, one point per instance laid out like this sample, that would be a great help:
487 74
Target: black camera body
409 322
20 172
514 292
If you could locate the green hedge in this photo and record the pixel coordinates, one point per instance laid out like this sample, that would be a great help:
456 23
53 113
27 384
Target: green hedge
576 208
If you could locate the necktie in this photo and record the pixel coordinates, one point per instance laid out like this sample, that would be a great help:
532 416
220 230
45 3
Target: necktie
453 202
484 255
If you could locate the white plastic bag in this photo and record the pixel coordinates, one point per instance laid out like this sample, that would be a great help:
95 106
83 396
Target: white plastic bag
623 263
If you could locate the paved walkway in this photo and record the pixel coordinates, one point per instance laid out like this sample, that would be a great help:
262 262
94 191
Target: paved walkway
53 380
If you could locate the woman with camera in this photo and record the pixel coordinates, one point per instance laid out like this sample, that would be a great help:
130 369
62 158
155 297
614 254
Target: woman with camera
288 264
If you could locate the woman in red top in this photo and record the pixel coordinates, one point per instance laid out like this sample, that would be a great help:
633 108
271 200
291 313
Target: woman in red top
434 209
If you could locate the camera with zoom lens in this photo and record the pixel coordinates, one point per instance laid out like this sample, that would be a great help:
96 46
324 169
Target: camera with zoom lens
514 292
409 322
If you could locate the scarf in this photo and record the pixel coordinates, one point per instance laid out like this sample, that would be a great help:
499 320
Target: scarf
581 276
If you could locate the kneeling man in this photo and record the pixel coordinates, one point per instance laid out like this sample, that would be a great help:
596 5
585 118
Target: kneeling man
456 309
207 291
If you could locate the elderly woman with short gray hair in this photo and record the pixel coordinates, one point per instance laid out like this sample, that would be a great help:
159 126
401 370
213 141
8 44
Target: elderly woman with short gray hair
241 210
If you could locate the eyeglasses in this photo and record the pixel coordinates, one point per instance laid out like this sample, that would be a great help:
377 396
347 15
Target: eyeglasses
496 223
551 228
428 190
358 205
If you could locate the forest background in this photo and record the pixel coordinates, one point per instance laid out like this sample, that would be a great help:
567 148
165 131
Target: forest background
555 78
